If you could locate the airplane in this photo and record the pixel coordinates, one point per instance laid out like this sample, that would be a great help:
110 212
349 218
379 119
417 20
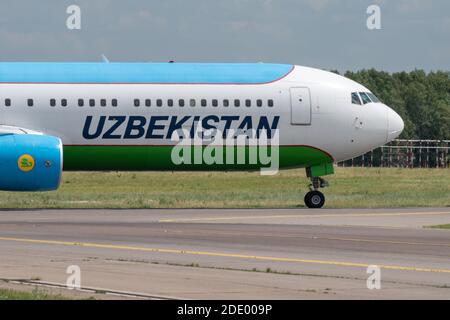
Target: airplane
124 116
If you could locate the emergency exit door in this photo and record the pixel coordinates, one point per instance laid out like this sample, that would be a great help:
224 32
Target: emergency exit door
300 106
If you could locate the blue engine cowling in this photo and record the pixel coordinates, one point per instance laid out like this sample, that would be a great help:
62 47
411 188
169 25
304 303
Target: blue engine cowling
30 162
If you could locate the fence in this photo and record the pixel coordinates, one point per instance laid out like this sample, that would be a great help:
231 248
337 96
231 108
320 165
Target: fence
405 154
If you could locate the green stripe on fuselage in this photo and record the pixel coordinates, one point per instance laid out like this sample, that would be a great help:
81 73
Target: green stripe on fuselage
158 158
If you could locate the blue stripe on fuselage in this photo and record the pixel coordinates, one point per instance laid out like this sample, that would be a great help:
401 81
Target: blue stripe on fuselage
164 73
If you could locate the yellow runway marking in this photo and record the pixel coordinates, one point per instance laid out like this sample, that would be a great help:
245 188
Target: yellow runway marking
312 237
221 254
390 242
306 216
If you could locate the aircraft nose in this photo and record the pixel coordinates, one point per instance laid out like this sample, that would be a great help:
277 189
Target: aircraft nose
395 125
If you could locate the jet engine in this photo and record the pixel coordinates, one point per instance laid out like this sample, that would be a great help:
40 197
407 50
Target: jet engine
30 162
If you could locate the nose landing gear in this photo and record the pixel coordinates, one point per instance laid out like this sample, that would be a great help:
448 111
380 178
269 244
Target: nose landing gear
314 198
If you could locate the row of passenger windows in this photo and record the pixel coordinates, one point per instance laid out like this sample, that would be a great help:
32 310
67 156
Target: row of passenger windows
363 98
64 103
157 102
203 102
90 102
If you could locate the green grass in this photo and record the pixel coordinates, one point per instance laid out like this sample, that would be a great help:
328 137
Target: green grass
7 294
349 187
441 226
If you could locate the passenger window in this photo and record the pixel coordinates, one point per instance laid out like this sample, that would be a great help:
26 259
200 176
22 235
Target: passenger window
148 102
226 103
237 102
203 102
170 103
8 102
365 98
30 102
159 103
92 102
215 103
355 98
52 102
192 102
114 102
137 102
64 102
259 103
270 103
248 103
103 102
181 102
80 102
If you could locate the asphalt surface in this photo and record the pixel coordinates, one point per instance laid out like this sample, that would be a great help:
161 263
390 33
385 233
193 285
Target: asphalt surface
233 254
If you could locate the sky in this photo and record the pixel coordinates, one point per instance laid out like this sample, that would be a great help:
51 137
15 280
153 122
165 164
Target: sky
327 34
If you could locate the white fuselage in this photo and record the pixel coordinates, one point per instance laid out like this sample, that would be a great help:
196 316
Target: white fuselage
332 123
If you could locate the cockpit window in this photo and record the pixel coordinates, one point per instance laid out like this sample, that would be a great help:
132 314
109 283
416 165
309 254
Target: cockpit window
373 97
355 98
365 98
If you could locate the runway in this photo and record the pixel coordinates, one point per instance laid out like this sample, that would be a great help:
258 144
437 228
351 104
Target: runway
234 254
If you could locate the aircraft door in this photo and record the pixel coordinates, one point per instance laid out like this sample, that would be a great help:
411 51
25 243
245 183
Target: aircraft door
300 106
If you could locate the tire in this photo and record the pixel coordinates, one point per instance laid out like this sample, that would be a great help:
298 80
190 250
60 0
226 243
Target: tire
314 199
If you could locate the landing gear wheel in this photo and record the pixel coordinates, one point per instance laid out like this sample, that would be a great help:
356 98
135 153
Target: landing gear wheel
314 199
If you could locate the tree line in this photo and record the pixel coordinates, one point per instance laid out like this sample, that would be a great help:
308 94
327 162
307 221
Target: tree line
421 99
